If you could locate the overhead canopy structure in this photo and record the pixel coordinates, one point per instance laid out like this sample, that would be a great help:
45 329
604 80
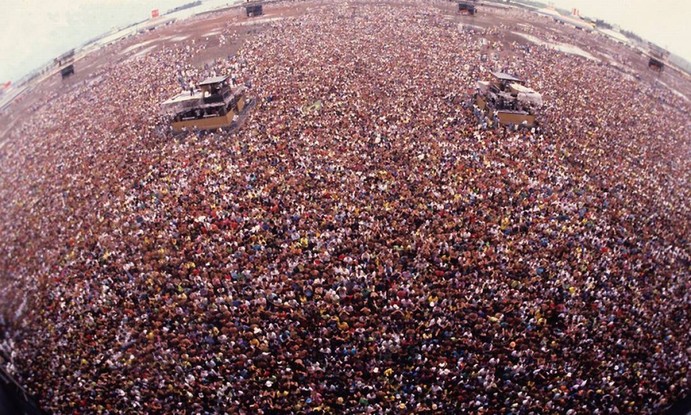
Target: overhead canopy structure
525 94
213 105
214 80
502 76
483 86
182 102
185 101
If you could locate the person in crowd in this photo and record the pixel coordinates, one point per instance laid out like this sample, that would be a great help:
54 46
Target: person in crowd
363 243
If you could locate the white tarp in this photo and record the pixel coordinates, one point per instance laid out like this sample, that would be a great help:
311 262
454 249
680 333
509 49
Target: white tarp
181 102
482 86
527 95
532 98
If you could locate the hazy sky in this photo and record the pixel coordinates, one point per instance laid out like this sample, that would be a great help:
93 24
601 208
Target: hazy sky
33 32
664 22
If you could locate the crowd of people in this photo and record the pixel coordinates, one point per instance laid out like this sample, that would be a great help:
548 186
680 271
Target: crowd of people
360 244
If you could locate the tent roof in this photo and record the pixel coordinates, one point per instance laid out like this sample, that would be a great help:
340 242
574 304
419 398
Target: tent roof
506 77
520 88
213 80
183 97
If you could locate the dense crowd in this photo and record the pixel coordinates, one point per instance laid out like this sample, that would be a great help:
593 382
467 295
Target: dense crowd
360 244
